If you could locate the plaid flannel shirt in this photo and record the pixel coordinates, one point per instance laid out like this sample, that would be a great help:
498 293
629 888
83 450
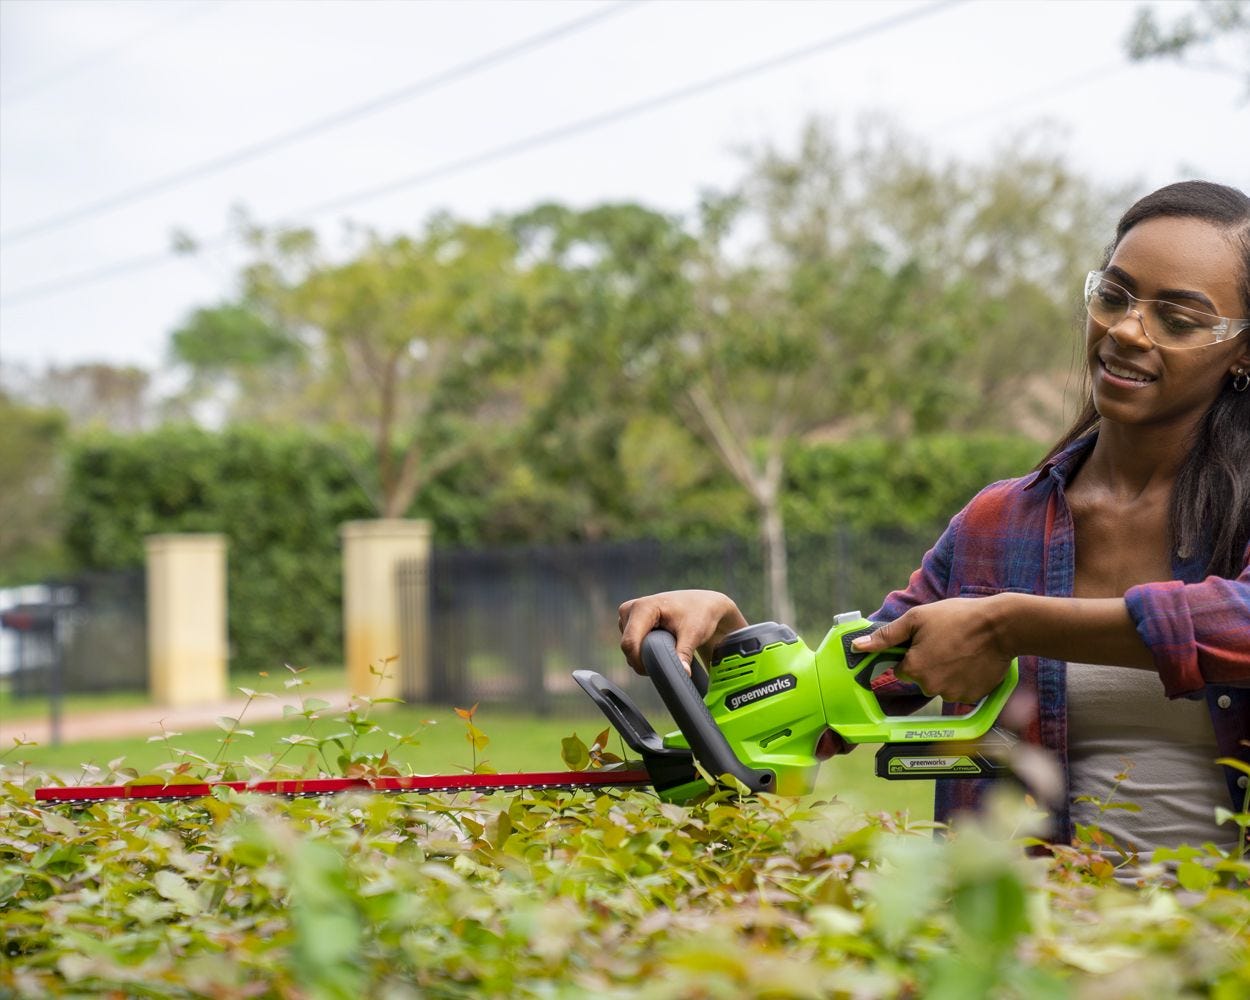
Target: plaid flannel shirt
1017 536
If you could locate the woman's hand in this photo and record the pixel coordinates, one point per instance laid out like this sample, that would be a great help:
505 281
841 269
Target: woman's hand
698 619
956 648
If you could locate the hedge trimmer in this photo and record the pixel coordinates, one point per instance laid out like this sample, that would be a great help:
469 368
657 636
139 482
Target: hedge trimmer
766 712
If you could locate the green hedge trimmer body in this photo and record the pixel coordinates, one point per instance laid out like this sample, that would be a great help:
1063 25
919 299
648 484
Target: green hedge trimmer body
767 710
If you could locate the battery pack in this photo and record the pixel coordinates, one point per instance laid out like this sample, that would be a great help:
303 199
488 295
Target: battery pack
984 758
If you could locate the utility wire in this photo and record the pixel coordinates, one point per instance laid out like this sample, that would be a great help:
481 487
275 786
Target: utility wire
629 110
509 149
1033 96
161 184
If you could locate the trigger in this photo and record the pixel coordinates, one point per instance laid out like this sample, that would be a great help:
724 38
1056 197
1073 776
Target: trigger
828 745
875 669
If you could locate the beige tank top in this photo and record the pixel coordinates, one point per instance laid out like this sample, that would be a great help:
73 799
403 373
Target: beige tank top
1119 721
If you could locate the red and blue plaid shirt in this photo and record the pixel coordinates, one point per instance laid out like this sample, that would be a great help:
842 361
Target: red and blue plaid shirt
1018 536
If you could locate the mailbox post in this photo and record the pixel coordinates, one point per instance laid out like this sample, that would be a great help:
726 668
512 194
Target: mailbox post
29 621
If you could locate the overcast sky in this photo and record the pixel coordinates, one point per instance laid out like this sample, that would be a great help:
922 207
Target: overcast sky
121 122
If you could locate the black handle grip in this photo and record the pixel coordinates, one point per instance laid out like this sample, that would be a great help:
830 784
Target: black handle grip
711 749
881 660
698 676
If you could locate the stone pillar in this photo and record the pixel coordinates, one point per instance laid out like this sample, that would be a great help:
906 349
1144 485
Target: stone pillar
373 626
187 643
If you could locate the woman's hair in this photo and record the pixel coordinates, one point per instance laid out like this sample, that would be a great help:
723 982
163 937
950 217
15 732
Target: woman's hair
1210 507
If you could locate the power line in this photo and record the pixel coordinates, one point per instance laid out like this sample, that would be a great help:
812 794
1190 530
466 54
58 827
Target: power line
1040 94
161 184
629 110
510 148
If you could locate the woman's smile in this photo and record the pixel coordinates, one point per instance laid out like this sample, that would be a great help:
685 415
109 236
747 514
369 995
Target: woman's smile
1121 374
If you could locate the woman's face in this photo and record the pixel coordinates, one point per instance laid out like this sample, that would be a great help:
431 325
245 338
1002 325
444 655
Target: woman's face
1183 260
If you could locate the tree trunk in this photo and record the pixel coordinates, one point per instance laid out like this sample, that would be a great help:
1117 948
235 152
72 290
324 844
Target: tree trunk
773 541
773 537
764 486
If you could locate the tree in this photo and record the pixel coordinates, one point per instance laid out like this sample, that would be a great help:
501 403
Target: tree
239 364
404 340
1204 31
31 471
844 290
610 290
92 395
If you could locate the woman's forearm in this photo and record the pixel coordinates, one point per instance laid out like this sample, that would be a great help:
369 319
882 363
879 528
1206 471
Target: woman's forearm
1080 629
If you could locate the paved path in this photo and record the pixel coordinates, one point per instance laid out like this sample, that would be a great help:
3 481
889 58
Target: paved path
145 720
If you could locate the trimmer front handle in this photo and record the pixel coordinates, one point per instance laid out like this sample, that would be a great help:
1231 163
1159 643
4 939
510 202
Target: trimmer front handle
690 712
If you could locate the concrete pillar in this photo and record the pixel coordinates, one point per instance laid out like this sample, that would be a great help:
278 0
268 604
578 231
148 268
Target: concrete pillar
187 644
373 627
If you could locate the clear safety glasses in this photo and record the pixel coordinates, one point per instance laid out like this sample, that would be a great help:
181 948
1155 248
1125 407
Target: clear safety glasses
1165 323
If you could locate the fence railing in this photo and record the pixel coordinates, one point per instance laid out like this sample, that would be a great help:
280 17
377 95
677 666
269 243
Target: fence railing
509 625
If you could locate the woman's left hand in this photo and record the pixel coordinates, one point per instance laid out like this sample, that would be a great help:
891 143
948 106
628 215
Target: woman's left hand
956 649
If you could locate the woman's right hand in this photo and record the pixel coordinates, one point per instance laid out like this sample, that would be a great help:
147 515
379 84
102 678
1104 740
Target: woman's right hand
697 619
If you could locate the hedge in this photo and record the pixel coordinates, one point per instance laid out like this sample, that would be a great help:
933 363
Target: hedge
557 896
278 496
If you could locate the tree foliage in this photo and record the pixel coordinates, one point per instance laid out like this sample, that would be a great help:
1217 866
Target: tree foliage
1204 37
91 395
616 371
849 288
403 340
31 474
609 291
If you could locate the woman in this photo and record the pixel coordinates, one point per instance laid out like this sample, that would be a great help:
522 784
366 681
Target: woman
1118 571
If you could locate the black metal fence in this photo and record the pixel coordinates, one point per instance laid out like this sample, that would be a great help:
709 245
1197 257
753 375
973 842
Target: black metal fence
83 634
509 625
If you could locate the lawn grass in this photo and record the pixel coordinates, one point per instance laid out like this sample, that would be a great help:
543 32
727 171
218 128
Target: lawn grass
17 709
518 742
36 706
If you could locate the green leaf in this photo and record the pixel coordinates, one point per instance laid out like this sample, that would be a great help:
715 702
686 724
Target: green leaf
9 886
993 911
1223 815
574 753
172 886
147 910
57 824
475 736
1195 877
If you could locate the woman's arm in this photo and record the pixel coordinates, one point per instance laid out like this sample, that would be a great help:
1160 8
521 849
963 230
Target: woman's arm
959 649
1190 634
1198 633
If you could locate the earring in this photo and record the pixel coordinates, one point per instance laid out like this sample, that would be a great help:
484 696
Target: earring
1241 380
